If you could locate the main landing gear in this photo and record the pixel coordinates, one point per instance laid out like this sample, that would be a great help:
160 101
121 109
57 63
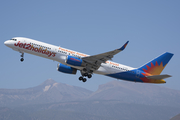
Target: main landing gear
84 73
22 59
83 79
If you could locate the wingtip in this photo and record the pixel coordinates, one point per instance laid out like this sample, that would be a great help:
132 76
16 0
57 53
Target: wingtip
124 46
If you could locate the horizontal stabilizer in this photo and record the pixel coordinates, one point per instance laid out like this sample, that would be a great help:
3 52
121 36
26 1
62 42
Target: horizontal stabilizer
158 77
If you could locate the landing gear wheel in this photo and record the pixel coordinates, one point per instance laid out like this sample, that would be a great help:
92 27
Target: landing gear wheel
89 76
80 78
85 74
84 80
22 59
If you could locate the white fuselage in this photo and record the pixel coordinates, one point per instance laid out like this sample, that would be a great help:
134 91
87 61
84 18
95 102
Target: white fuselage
59 54
71 61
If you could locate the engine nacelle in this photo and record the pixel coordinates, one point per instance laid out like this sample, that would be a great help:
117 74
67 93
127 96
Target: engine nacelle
74 61
66 69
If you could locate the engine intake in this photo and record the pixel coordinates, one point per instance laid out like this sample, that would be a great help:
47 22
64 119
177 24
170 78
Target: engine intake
66 69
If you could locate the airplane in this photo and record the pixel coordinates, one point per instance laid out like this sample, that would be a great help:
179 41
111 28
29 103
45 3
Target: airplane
70 61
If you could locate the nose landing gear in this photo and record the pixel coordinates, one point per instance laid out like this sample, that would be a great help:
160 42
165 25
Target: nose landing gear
22 59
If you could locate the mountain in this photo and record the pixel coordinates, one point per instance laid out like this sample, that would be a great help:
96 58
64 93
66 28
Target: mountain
114 100
177 117
127 92
47 92
139 93
98 110
11 114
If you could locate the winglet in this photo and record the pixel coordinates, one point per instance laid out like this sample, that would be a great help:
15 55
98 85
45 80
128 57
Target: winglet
124 46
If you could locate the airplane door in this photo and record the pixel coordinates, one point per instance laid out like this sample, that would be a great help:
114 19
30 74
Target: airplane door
137 73
56 50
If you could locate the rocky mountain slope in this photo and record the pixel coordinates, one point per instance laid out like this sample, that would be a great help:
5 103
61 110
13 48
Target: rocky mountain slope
47 92
177 117
114 100
140 93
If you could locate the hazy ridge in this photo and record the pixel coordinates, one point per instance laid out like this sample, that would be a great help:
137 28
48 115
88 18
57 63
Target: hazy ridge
114 100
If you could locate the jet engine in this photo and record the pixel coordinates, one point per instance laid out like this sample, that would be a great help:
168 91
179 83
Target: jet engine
71 60
66 69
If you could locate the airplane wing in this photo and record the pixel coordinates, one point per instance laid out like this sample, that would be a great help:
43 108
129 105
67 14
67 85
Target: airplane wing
94 61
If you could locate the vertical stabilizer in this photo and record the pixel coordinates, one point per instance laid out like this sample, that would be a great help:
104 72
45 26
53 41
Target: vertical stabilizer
156 66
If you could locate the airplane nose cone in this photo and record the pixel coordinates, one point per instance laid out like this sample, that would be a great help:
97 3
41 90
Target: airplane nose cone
7 43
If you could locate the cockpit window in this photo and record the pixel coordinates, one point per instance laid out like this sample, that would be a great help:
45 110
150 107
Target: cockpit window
14 39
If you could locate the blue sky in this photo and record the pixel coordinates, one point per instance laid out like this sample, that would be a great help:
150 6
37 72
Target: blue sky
91 27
